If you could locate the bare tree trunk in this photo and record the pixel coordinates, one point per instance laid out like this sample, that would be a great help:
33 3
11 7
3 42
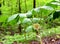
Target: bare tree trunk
34 3
19 6
0 7
0 4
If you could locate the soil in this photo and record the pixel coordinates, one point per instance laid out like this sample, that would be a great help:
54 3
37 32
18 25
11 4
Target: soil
55 39
34 42
1 43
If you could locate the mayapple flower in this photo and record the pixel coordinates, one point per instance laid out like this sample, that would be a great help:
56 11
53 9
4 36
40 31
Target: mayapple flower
36 26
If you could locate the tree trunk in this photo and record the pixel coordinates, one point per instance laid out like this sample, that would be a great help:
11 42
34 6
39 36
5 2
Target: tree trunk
19 6
34 3
0 4
0 7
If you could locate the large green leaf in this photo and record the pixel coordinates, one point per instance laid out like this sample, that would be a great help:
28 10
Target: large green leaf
27 21
37 9
23 15
29 14
45 11
35 20
47 8
34 13
29 29
13 22
12 17
57 0
55 3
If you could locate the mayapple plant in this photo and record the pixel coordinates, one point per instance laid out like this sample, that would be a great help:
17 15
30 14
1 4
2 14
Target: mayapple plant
37 27
26 18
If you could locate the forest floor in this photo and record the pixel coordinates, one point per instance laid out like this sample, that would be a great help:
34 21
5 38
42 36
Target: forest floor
55 39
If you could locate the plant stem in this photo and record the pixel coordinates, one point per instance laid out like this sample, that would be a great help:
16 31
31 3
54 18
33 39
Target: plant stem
40 38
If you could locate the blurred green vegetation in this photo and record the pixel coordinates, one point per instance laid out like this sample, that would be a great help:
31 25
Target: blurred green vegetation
11 7
20 27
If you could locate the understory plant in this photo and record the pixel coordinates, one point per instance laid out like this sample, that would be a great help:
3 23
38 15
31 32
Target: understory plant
35 21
